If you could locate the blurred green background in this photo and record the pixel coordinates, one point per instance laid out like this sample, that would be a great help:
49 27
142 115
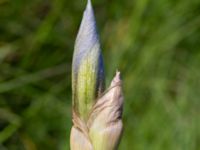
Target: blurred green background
154 43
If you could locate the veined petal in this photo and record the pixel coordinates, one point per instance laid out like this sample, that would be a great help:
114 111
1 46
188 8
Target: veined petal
87 68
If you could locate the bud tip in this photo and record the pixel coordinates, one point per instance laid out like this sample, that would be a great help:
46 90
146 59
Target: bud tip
116 79
89 4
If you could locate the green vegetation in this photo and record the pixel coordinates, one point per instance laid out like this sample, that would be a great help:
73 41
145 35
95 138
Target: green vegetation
155 45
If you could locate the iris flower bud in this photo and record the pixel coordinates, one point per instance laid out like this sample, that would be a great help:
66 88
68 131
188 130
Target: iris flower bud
97 114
